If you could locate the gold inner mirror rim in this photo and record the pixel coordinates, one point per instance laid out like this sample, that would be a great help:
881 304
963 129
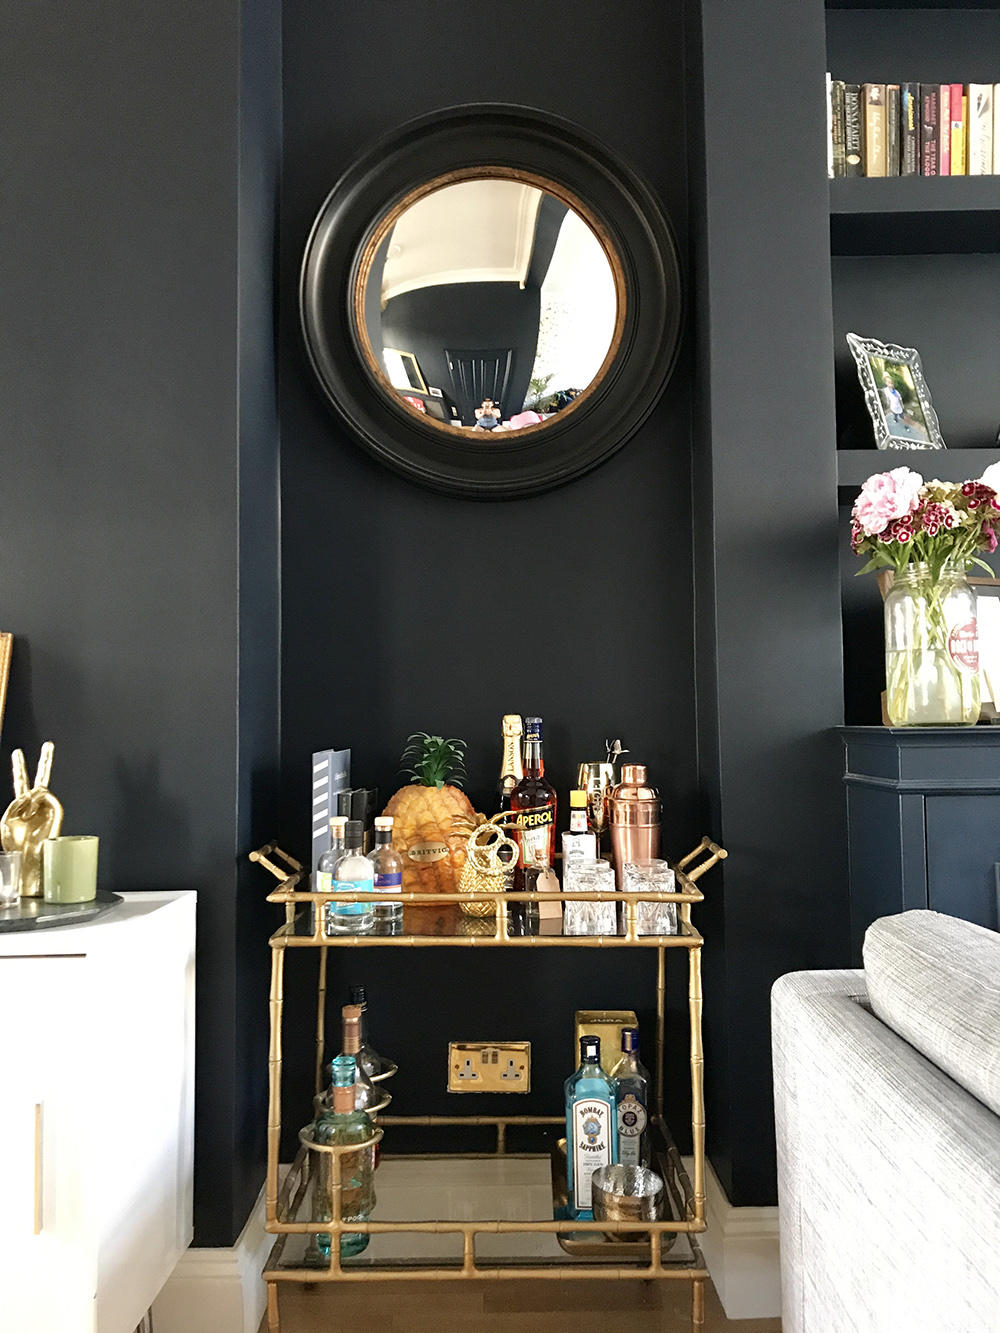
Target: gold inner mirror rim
448 432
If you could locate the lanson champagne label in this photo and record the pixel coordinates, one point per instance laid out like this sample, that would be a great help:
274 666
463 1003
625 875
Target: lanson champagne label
591 1147
631 1123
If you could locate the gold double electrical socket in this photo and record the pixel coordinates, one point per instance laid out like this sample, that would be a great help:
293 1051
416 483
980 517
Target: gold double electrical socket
489 1066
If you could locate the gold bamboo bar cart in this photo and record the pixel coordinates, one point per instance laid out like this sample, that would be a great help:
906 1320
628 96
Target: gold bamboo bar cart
592 1253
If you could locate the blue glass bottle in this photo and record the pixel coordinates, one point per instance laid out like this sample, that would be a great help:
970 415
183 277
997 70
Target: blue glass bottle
632 1079
591 1126
342 1125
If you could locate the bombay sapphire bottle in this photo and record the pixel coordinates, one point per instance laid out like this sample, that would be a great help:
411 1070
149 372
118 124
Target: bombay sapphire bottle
341 1124
591 1126
633 1103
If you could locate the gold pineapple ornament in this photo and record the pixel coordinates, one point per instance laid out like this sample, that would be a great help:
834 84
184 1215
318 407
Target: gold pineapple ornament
485 869
32 816
423 833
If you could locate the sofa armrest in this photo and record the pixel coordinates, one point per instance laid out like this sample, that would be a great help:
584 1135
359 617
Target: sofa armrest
888 1174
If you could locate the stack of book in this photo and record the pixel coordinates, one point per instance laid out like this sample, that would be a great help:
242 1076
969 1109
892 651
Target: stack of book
913 129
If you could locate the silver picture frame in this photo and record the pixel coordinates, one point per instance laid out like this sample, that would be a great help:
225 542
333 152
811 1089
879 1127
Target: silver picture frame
896 395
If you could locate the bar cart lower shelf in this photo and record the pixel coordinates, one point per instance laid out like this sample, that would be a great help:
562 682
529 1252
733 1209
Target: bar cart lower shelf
427 1222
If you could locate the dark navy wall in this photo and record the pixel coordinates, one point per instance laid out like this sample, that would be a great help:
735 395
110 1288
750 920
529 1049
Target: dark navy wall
138 514
409 611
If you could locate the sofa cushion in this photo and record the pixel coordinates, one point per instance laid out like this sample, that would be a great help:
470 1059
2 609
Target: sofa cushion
936 981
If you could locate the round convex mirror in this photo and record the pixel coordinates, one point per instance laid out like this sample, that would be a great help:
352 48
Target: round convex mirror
489 304
491 301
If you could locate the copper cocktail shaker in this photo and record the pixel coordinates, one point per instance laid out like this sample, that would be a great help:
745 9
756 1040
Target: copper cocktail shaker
634 819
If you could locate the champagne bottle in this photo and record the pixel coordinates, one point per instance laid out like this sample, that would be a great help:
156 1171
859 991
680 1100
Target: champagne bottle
511 766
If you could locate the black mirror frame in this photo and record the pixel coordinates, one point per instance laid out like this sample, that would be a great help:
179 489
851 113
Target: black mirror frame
518 139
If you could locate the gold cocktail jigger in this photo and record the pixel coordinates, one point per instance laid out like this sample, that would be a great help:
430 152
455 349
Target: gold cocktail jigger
32 816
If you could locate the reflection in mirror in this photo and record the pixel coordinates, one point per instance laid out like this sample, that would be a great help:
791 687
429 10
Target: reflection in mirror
489 306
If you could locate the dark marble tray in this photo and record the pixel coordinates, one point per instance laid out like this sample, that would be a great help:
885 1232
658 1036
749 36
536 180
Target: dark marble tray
36 913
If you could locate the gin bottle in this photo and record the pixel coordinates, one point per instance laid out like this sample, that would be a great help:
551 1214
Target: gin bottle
633 1103
353 873
341 1124
591 1126
365 1093
388 865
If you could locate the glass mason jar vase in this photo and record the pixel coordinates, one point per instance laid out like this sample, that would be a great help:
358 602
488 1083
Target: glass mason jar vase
931 649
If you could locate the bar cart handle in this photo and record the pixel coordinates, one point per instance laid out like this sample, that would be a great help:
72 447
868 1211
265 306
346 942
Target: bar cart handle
715 854
263 855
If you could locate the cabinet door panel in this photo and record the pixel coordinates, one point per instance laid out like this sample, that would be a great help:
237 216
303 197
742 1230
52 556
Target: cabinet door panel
48 1266
963 845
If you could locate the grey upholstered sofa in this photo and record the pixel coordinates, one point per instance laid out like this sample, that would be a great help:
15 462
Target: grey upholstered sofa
887 1096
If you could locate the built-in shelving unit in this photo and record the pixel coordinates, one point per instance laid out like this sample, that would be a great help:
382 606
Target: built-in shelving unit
915 215
916 261
854 466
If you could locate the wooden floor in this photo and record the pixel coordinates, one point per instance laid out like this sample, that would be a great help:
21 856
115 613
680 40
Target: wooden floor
531 1306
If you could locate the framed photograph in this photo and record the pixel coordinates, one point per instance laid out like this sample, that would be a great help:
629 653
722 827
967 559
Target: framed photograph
896 395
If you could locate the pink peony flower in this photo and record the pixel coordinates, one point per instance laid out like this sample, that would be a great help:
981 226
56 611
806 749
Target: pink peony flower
885 497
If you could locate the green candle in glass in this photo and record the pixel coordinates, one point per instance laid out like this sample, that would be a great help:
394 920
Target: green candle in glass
69 869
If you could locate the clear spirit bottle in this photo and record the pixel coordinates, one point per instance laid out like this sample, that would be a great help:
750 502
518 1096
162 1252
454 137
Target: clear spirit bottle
328 861
342 1125
368 1057
353 873
633 1103
388 865
591 1126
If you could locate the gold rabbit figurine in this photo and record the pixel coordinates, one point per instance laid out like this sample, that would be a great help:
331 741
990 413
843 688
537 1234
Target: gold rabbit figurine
32 816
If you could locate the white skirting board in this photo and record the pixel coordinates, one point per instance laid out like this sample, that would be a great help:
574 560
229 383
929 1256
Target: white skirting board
741 1252
218 1290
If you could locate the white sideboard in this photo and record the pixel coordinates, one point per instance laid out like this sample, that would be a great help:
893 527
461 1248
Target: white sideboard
96 1115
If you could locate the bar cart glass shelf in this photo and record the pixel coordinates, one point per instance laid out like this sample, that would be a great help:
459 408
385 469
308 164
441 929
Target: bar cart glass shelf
529 1234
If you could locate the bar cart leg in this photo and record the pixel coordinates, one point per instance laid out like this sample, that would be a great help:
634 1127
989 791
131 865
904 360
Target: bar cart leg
697 1082
698 1305
321 1018
277 1001
273 1318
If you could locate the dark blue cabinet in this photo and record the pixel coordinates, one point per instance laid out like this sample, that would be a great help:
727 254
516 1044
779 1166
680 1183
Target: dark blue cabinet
923 815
